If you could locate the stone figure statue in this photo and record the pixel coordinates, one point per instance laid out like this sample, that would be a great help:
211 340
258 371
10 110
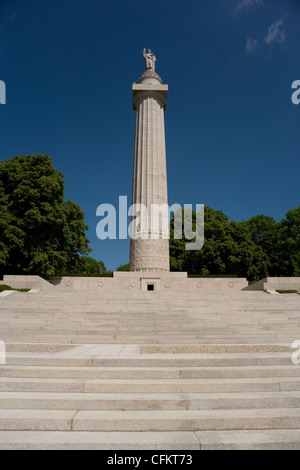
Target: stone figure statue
149 60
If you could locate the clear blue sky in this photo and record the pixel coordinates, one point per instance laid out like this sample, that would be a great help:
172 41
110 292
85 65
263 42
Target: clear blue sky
232 131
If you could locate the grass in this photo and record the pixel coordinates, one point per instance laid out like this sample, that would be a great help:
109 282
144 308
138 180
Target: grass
5 287
287 291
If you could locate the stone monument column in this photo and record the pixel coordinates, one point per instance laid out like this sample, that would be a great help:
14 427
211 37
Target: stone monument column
149 245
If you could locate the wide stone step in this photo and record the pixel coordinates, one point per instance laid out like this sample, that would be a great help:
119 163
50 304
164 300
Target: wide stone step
201 337
144 421
150 372
155 360
150 386
110 339
147 401
287 439
48 326
51 440
275 439
193 420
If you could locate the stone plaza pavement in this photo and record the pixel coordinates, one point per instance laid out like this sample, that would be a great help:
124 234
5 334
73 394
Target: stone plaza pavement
149 371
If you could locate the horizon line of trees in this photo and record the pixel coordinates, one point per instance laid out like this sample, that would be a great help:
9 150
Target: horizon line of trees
42 234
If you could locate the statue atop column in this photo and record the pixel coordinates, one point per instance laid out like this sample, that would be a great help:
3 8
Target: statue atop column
149 60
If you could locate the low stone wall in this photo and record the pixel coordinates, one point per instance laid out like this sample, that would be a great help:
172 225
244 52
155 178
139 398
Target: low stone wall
282 283
276 283
27 282
94 284
257 286
211 285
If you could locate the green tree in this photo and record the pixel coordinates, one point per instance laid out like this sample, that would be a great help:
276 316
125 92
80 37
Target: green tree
280 242
91 266
287 244
293 241
40 233
262 228
228 249
123 267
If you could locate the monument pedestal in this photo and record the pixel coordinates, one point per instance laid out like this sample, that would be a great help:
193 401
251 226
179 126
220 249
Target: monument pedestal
152 281
135 282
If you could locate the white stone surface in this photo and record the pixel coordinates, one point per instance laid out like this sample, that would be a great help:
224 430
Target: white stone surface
133 441
276 283
27 282
6 293
287 439
185 420
191 371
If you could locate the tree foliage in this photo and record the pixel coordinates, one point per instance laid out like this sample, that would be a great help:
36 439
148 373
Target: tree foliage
40 233
254 249
123 267
91 266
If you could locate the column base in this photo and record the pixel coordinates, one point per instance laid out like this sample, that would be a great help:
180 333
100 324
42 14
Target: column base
152 280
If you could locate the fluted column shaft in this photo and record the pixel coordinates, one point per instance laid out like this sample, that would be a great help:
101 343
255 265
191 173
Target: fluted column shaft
150 177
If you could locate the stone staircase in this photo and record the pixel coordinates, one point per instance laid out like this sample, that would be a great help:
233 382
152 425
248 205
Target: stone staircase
150 401
149 318
183 385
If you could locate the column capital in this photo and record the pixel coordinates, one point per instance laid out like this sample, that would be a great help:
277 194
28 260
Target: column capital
148 90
